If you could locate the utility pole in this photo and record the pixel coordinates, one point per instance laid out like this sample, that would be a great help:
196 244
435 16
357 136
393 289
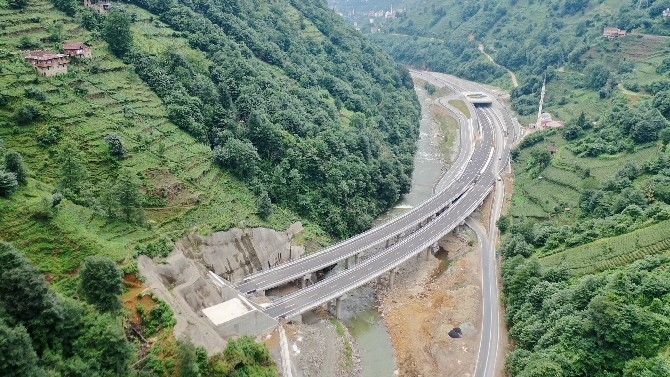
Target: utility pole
539 112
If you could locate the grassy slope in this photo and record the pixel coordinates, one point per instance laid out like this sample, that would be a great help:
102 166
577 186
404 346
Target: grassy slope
95 99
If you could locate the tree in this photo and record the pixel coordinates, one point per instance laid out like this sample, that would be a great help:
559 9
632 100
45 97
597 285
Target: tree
664 135
661 101
572 132
243 357
26 113
597 76
14 164
27 298
104 344
641 367
503 224
239 156
188 359
264 205
116 32
18 4
55 31
101 283
17 356
128 193
116 147
265 136
8 183
74 181
67 6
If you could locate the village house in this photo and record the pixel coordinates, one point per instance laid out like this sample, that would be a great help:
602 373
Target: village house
100 6
77 49
48 63
612 32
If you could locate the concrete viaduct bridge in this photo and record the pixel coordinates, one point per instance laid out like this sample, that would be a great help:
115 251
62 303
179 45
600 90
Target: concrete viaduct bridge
402 238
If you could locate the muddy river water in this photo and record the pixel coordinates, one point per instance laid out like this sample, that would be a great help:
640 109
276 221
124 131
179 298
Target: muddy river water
366 324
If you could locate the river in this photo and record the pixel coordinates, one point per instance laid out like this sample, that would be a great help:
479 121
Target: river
365 323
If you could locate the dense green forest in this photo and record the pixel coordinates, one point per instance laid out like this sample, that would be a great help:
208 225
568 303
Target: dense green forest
587 249
190 117
45 334
532 38
304 109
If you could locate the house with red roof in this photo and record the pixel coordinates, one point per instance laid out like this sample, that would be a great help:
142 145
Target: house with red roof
78 49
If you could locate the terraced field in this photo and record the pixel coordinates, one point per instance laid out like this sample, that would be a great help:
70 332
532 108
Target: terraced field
185 192
612 252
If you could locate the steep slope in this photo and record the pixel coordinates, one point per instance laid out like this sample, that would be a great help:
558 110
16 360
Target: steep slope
188 118
331 118
531 38
183 189
333 125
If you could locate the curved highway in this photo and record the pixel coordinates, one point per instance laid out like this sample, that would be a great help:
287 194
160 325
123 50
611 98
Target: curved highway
431 207
466 194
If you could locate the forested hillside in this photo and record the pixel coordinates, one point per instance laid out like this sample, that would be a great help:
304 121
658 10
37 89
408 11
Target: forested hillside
188 118
531 38
294 103
587 244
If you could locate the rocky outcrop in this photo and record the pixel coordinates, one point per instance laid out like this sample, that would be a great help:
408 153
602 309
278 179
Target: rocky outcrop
181 279
239 252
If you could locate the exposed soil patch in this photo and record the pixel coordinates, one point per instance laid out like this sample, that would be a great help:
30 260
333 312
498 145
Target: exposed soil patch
437 303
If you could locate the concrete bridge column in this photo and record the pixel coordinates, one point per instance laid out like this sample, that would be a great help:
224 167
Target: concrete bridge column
392 277
379 279
436 247
355 259
303 281
338 307
346 263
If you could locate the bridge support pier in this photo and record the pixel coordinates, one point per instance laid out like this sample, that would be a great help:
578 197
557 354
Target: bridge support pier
392 277
338 307
346 263
355 259
379 279
303 281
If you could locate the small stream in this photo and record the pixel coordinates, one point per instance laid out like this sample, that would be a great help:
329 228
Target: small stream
365 324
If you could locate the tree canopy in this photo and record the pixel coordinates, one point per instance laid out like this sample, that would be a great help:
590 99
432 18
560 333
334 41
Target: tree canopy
101 283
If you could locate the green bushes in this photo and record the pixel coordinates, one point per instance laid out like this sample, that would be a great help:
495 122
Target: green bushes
243 357
603 324
69 338
26 114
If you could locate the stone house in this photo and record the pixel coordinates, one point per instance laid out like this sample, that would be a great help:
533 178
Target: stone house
48 63
100 6
612 32
78 49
